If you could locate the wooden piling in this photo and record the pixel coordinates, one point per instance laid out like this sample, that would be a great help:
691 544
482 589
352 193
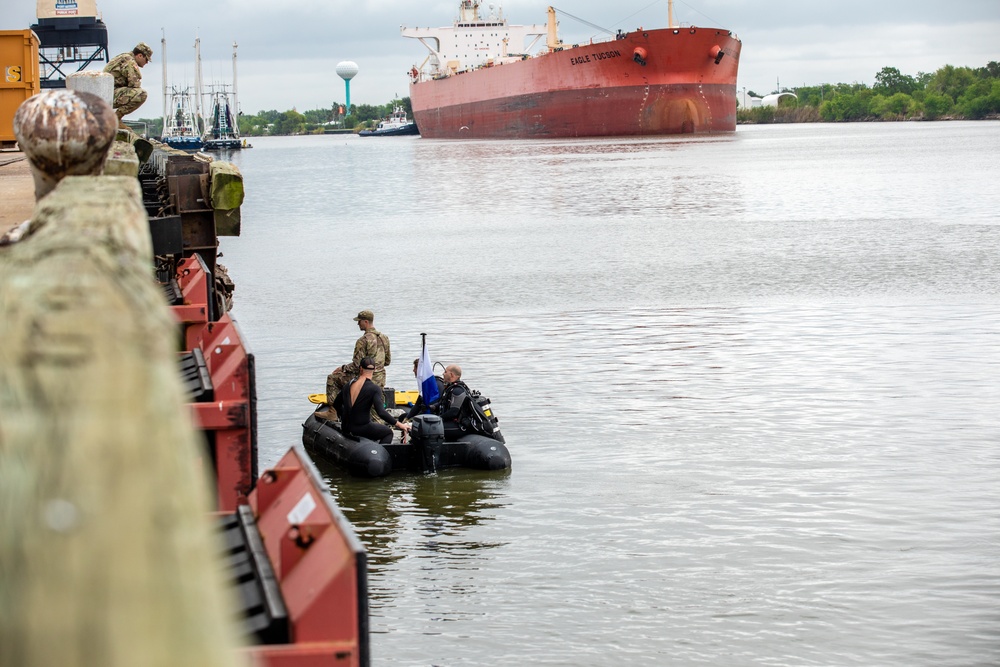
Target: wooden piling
122 160
107 553
226 190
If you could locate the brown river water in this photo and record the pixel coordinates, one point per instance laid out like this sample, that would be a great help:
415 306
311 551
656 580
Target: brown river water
749 384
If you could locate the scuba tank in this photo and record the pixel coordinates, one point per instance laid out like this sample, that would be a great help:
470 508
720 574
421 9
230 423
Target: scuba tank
468 411
489 425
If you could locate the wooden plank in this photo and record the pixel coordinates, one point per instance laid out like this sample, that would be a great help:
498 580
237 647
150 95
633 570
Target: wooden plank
122 161
107 552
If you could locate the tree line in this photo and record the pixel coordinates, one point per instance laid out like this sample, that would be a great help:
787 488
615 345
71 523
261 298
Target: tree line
318 121
314 121
950 92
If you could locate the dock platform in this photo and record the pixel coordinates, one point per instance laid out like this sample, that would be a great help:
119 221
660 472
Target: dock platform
17 190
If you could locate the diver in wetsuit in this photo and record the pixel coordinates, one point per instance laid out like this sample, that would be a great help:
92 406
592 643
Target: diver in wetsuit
354 404
454 394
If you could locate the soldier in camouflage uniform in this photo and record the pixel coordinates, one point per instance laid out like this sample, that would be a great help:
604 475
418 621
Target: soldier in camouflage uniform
372 344
129 96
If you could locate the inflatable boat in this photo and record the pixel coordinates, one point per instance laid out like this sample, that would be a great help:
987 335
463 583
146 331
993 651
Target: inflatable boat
433 444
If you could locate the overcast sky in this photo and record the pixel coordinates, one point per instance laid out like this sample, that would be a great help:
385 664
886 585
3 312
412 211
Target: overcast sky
289 49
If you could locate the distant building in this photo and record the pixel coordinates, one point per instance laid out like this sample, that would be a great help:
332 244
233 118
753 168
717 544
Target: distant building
774 99
745 101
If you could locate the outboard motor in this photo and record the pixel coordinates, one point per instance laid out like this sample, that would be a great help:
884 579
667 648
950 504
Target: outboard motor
427 439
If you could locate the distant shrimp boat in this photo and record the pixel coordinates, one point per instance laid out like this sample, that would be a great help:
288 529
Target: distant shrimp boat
223 133
182 121
181 129
185 127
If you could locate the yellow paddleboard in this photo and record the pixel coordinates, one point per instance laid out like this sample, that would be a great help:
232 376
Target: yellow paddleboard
402 398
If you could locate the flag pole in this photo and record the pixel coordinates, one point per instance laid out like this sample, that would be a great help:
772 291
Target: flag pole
425 374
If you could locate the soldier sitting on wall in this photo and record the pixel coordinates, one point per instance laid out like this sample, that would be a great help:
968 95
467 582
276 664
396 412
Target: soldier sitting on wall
129 95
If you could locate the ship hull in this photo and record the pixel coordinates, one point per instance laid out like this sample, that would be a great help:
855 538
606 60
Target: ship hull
604 89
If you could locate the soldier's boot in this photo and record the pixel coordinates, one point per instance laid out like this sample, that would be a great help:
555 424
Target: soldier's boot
328 414
336 381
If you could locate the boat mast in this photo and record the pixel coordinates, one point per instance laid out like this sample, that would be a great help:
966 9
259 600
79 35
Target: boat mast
552 39
163 57
670 13
197 86
236 97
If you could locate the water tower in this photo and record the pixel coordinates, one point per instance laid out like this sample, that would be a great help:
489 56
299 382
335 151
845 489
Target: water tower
347 70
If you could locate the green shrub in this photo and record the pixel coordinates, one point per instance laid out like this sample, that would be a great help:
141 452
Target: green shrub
937 105
895 107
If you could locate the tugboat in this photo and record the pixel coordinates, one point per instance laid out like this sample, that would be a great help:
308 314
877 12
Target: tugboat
397 124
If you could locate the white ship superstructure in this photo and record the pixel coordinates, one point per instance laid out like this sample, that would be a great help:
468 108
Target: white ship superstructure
473 42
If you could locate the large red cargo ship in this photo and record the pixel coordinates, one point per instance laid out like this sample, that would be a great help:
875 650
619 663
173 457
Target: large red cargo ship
480 82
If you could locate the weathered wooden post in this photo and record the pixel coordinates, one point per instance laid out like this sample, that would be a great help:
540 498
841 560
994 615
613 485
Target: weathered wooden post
107 552
226 197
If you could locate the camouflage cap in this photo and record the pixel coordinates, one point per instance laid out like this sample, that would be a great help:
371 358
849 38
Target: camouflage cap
365 315
143 48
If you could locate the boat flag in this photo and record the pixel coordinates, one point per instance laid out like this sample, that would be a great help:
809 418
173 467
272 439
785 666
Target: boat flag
425 374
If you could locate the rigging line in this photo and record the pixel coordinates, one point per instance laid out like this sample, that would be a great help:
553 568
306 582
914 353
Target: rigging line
656 2
710 19
586 23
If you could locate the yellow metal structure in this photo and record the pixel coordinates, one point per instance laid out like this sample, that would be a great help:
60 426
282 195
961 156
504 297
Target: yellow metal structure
18 77
406 397
552 38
